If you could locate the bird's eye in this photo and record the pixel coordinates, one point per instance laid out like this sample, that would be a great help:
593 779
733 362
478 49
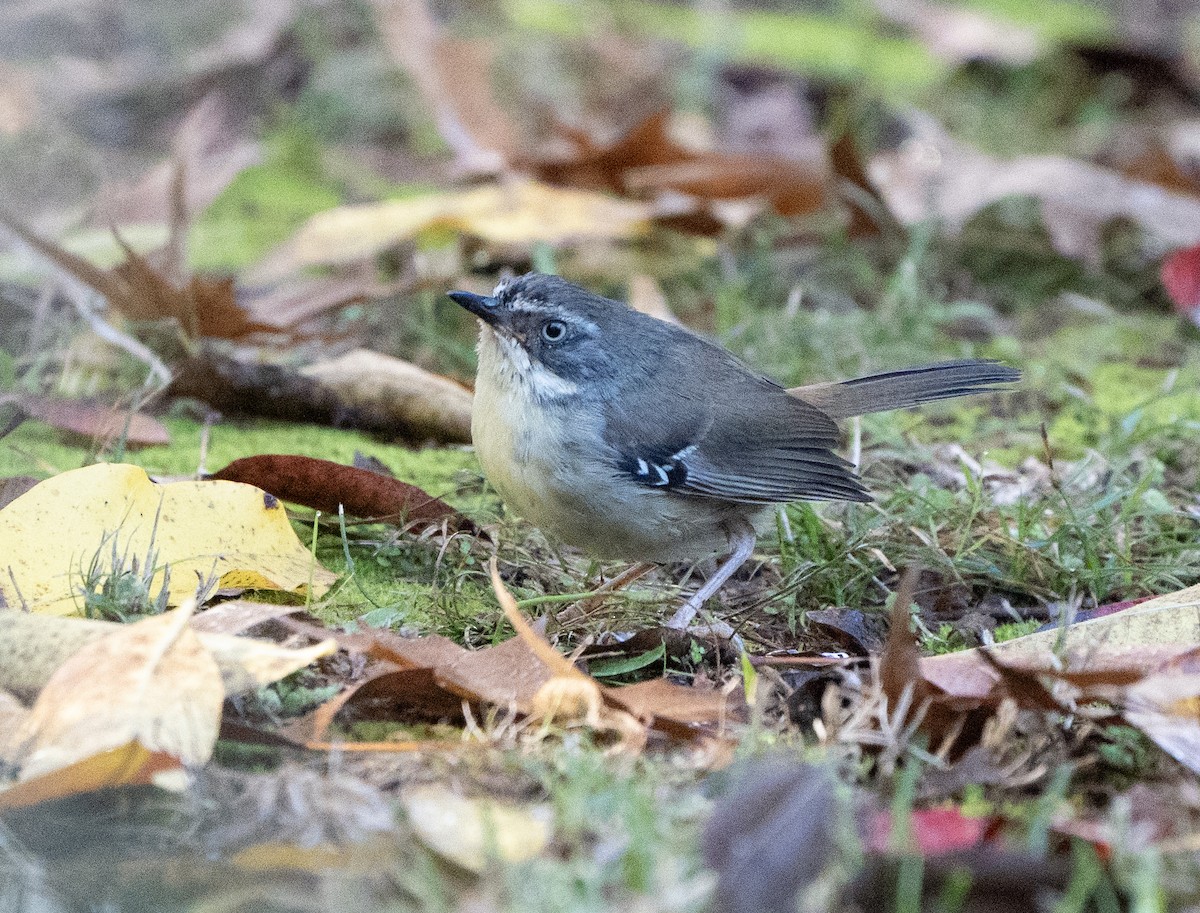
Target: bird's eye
553 330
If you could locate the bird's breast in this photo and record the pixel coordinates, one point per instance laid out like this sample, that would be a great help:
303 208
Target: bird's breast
549 463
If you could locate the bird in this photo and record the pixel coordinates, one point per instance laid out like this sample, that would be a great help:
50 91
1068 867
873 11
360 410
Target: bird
636 439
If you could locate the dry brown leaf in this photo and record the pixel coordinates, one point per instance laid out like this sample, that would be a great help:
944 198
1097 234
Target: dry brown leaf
152 683
239 615
453 77
1145 636
933 176
93 421
647 162
202 307
431 406
33 647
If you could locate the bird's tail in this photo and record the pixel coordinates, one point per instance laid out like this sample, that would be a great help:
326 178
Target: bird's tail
909 387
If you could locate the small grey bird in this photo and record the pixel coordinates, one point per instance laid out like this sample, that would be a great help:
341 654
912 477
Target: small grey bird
636 439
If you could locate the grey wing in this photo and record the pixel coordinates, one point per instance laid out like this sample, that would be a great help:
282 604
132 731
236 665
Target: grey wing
766 447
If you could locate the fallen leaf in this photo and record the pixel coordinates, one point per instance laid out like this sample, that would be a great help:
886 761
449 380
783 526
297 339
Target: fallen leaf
859 632
202 307
1181 278
771 836
1142 637
931 176
152 683
933 831
421 405
94 421
127 765
472 832
33 647
647 162
453 76
230 533
519 213
324 485
239 615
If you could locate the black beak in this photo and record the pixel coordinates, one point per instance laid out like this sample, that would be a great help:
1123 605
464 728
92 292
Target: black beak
481 306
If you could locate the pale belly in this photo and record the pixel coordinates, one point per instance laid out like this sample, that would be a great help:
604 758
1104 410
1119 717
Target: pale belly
545 475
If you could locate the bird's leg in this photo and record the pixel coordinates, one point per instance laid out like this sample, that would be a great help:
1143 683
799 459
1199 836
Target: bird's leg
742 537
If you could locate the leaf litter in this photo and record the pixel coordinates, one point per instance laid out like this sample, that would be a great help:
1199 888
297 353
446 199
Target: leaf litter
998 716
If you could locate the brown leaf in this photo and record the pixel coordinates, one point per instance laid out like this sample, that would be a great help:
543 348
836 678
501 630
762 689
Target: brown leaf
94 421
646 161
933 176
388 693
900 662
506 675
658 699
848 167
456 89
202 307
323 485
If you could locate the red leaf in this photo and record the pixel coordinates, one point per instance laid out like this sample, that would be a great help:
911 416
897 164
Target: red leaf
934 831
1181 278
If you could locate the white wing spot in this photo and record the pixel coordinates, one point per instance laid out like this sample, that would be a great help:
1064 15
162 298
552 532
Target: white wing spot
662 474
643 468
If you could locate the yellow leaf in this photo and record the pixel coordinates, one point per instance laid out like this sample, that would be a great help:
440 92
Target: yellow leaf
50 536
151 682
517 213
472 832
122 766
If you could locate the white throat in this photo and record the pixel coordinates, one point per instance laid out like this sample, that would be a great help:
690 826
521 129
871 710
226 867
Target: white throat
504 363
